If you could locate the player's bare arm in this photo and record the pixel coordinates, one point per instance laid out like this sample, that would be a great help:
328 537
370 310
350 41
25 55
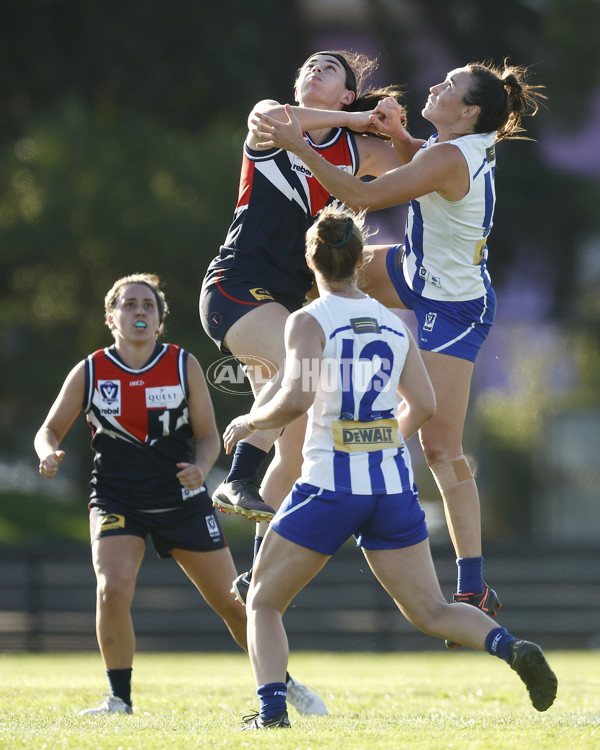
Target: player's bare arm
202 420
61 416
304 344
430 173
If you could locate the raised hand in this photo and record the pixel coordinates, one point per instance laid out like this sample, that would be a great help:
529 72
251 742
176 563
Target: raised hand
389 118
274 134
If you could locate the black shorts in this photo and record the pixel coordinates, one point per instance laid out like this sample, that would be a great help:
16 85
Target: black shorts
193 526
227 296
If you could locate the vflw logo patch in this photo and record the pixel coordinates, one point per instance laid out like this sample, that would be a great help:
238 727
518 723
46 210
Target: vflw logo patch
110 397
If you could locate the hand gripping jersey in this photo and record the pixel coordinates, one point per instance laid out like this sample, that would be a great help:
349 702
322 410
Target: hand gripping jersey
140 428
446 250
277 202
352 442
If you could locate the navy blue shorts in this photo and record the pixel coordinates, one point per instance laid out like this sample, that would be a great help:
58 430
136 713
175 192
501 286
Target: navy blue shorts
227 296
322 520
193 526
455 328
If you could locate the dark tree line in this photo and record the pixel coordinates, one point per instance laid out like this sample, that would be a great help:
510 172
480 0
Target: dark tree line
121 126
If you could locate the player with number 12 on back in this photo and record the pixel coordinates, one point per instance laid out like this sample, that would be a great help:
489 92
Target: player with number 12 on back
356 477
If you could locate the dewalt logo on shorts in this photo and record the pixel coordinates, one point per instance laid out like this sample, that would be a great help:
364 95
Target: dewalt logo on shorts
110 522
356 437
261 293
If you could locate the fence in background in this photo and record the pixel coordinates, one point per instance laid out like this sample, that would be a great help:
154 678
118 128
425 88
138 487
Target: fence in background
47 600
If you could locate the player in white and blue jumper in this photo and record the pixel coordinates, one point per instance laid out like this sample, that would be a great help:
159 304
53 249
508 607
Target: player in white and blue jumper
356 369
440 271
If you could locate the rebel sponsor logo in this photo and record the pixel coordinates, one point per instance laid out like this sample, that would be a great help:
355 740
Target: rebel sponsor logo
299 167
110 397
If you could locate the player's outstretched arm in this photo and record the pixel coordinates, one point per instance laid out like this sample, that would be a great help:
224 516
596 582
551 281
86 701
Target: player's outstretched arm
303 347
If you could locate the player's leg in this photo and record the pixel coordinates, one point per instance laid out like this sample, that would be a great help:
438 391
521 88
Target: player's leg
286 466
282 570
257 340
116 561
264 355
283 471
441 439
212 573
374 275
408 575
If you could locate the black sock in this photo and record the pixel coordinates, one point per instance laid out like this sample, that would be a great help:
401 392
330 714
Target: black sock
246 462
120 683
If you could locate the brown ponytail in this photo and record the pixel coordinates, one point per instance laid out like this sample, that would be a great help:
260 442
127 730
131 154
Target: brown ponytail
335 242
504 98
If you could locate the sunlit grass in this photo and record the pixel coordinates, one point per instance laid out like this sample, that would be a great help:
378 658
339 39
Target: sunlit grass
429 701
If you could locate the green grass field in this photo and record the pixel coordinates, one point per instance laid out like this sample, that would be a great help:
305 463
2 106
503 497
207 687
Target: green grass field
429 701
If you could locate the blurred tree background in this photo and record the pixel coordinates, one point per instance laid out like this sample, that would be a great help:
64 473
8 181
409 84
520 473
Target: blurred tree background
121 127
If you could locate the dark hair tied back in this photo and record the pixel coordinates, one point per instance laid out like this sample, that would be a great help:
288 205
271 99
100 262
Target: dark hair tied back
348 231
334 242
512 83
504 97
